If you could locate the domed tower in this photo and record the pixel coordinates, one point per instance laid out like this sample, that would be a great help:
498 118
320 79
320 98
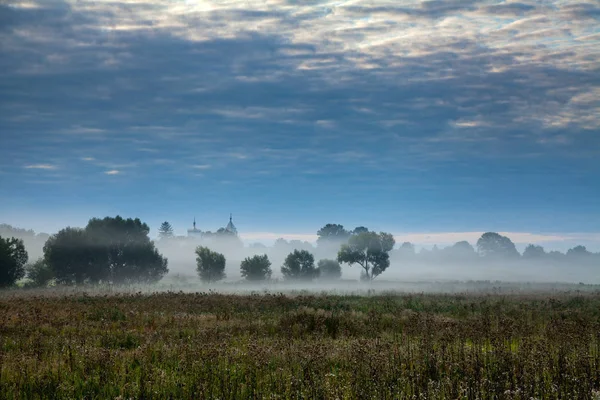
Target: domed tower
230 226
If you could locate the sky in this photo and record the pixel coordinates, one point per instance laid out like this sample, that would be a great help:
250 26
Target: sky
433 120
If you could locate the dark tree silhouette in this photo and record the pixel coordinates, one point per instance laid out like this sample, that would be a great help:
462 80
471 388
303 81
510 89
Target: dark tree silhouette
329 269
370 250
359 229
13 258
39 273
165 231
210 264
256 268
110 250
299 265
332 234
492 244
578 251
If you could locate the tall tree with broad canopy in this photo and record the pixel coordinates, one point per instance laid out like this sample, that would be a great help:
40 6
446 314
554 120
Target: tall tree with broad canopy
332 234
370 250
299 265
492 244
210 264
13 258
113 250
256 268
165 231
39 273
329 269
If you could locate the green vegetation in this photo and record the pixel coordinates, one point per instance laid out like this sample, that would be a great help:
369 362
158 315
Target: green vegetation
13 258
389 346
210 265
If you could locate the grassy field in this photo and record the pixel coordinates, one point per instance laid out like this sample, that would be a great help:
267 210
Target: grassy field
385 346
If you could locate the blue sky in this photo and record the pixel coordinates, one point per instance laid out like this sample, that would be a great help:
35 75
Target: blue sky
434 120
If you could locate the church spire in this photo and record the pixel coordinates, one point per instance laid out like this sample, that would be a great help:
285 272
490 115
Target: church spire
230 217
194 223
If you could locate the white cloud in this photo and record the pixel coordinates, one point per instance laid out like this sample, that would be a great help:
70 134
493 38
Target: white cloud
41 166
112 172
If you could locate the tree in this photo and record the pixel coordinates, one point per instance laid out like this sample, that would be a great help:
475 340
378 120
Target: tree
68 255
332 234
406 250
359 229
256 268
329 269
370 250
210 264
492 244
39 273
109 250
578 251
13 258
532 252
165 231
459 251
299 265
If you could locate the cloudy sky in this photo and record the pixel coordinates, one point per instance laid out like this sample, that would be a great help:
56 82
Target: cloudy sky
434 120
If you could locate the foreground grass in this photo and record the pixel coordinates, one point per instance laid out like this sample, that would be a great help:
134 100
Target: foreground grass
175 345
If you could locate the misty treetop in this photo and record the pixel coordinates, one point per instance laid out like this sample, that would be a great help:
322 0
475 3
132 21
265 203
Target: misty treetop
492 244
299 265
370 250
256 268
165 231
210 264
329 269
113 250
13 258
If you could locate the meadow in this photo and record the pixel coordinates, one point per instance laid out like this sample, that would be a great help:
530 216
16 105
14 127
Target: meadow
384 345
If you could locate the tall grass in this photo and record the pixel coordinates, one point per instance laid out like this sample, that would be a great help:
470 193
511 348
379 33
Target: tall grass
209 345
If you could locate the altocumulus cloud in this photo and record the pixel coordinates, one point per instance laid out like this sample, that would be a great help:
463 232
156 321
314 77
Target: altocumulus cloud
292 88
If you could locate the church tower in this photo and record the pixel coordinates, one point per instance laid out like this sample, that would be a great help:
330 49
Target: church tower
194 232
230 226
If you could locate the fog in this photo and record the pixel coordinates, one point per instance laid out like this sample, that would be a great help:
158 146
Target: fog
454 268
439 265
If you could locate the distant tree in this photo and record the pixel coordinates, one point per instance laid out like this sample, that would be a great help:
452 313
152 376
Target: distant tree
492 244
534 252
39 273
257 245
165 231
300 245
256 268
111 249
407 248
281 245
332 234
578 251
299 265
210 264
359 229
329 269
370 250
459 251
13 258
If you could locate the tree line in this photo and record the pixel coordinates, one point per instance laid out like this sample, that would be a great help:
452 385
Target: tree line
118 250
